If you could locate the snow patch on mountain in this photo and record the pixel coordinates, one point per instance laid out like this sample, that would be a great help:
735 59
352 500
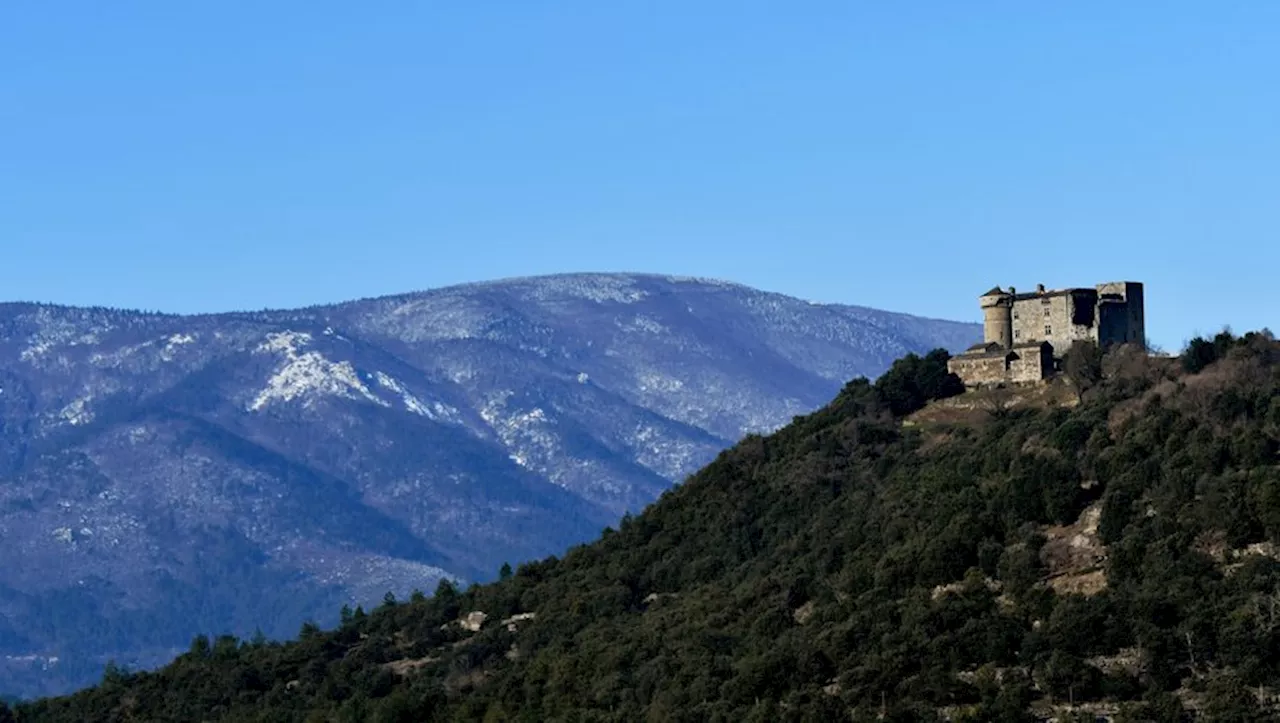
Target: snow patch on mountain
527 435
434 411
367 577
643 323
655 382
308 374
77 412
589 287
174 343
287 342
112 359
39 347
671 458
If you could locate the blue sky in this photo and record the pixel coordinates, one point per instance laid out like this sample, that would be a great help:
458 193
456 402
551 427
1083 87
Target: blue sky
214 156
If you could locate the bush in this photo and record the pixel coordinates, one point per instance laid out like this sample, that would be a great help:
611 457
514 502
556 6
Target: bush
914 381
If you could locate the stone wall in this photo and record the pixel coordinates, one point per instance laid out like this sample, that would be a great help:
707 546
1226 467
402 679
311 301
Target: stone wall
1113 323
1031 364
1053 317
1027 364
978 369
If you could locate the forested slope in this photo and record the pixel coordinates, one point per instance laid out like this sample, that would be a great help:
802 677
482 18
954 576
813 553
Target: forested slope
1117 557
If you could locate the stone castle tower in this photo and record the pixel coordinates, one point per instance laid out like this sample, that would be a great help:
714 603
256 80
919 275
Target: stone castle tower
997 317
1025 335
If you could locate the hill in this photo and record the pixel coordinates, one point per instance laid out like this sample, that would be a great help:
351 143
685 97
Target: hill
1115 556
165 475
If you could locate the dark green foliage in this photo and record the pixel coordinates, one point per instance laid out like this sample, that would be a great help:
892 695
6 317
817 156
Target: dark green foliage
846 567
1229 700
1201 352
913 381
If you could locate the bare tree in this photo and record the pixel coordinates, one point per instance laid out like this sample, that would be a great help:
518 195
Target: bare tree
1082 364
997 401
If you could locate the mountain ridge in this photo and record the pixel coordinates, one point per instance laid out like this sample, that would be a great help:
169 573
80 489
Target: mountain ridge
494 421
708 281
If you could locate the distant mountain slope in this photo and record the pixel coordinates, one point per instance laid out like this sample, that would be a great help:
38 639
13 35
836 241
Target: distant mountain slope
222 472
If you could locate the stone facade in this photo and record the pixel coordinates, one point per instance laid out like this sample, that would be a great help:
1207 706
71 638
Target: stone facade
1024 335
992 365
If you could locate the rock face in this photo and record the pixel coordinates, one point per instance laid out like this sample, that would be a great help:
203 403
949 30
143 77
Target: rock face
164 475
473 621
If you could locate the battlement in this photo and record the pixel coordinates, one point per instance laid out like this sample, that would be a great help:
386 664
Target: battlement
1045 323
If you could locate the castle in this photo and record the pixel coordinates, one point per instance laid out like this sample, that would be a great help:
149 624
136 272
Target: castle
1024 336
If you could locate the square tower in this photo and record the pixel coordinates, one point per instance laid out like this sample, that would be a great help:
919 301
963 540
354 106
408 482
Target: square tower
1121 316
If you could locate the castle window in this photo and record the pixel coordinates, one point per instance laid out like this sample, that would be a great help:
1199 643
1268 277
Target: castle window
1046 312
1048 331
1017 333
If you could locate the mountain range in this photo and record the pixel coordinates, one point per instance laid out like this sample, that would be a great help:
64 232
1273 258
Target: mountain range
165 475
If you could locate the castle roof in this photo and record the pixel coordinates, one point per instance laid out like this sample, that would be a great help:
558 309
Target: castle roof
984 346
995 291
970 356
993 350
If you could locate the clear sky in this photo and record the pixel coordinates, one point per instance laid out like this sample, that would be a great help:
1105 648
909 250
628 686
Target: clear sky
201 156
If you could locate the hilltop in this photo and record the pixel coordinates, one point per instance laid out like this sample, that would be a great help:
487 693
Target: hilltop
1116 556
164 475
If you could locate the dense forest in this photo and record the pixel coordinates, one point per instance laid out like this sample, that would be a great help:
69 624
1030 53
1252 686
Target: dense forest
1113 553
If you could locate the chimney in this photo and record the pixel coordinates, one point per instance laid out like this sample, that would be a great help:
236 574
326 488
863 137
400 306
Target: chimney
1039 288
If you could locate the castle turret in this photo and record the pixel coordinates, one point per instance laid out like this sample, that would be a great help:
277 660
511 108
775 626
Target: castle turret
997 317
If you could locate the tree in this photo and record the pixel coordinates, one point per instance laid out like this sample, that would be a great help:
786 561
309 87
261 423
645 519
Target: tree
913 381
1082 365
1069 679
505 571
446 590
1199 354
225 647
1229 699
200 646
997 402
114 674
